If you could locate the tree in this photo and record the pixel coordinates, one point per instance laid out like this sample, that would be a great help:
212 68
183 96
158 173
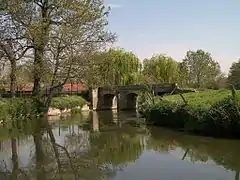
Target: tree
160 69
220 82
61 34
3 71
12 50
116 67
234 73
183 74
202 69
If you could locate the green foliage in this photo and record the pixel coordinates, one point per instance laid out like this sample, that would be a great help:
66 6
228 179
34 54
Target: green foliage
17 109
115 67
59 38
234 73
209 112
146 99
160 69
21 108
202 70
116 148
68 102
3 110
183 74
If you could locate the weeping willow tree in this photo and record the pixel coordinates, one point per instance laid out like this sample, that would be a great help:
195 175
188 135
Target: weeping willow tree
115 67
160 69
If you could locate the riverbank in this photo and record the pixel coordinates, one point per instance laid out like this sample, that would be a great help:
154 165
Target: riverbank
212 113
67 104
24 108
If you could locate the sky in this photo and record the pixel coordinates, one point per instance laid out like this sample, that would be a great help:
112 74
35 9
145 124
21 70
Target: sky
173 27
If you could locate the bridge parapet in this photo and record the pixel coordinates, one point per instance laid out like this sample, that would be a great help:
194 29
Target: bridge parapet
141 87
131 88
164 85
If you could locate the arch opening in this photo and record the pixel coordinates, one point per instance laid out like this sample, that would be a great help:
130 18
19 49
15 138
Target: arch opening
131 101
160 93
109 101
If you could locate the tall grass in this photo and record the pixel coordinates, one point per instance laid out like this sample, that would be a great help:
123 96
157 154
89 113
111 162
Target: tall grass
214 113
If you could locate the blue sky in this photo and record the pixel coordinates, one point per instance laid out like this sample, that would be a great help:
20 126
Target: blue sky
172 27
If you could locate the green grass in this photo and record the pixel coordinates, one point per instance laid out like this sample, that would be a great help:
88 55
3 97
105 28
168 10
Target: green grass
206 98
208 112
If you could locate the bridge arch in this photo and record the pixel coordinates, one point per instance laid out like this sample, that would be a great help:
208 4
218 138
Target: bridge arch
109 101
131 100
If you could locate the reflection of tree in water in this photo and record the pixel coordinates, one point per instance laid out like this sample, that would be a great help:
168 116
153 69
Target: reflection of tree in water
15 130
72 160
100 155
110 150
54 161
222 152
116 147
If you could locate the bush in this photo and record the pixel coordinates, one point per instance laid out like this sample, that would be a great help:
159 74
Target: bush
213 113
68 102
26 108
16 110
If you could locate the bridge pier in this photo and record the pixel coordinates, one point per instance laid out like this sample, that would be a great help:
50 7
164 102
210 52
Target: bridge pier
93 94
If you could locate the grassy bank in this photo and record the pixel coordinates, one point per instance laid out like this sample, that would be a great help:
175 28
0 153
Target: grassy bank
214 113
25 108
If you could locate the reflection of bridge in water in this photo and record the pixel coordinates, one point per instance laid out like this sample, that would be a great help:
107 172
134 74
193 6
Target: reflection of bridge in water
124 97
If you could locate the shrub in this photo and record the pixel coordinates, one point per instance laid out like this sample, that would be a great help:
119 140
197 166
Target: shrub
68 102
213 113
12 111
17 109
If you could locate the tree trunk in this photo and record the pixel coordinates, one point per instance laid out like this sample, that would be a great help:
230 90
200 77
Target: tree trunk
185 154
38 71
8 50
39 49
198 81
40 157
14 159
13 78
237 175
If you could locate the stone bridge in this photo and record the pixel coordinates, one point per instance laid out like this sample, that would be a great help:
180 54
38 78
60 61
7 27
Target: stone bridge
123 97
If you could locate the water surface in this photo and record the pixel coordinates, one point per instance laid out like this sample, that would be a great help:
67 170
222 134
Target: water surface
113 146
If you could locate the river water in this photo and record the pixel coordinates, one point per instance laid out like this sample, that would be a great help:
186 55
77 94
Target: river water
113 146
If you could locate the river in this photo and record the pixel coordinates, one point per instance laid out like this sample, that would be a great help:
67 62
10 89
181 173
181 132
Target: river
113 146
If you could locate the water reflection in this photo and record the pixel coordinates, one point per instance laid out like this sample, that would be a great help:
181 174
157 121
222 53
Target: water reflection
109 145
197 149
71 149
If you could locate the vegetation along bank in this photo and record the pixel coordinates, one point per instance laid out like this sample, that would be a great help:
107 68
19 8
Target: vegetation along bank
212 112
26 108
